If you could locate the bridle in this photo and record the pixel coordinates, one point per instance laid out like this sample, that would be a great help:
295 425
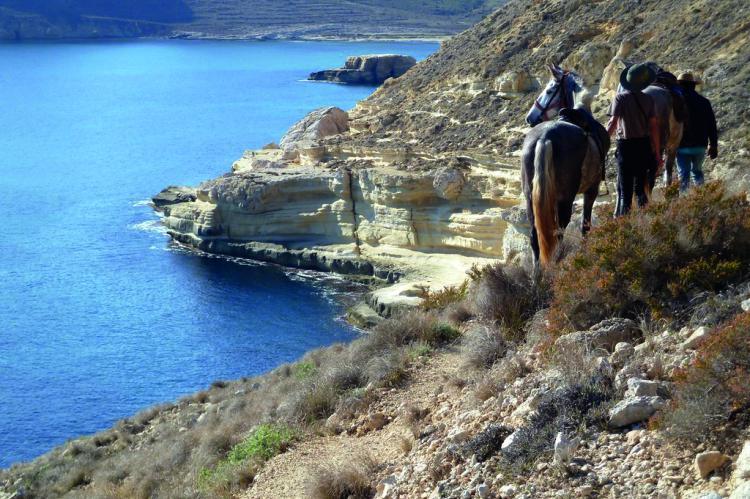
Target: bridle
560 87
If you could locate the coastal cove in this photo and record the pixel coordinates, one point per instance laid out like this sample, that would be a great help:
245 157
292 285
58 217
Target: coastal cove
102 315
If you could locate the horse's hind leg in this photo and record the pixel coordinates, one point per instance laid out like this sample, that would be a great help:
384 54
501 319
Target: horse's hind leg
564 213
588 205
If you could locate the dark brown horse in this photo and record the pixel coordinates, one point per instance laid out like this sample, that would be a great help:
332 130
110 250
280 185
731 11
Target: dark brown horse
560 160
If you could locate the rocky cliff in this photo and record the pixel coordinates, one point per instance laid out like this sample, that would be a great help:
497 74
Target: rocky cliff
356 209
367 69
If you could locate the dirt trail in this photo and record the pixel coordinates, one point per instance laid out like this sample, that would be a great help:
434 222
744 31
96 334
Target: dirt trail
288 475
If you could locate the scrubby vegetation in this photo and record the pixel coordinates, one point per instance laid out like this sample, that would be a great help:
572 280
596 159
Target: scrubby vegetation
670 265
237 470
715 387
213 443
655 261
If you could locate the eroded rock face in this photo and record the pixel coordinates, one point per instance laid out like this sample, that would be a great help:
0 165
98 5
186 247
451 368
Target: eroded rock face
590 60
516 83
304 137
316 202
352 206
367 69
173 195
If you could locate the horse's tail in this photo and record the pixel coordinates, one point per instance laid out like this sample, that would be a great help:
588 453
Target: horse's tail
544 200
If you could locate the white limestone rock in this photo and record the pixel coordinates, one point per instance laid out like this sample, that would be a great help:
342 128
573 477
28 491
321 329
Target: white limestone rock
742 491
386 488
565 448
307 133
697 338
707 462
642 388
742 465
634 410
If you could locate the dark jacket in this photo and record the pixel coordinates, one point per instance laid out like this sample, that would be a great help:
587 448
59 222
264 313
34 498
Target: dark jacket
700 129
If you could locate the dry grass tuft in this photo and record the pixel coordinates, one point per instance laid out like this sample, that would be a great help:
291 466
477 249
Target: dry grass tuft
508 295
348 481
482 346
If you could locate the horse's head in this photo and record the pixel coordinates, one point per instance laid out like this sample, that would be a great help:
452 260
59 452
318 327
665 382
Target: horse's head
559 92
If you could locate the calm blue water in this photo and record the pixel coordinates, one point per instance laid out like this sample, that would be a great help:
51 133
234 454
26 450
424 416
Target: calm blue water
99 317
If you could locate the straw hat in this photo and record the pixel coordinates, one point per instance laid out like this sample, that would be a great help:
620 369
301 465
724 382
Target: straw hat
688 76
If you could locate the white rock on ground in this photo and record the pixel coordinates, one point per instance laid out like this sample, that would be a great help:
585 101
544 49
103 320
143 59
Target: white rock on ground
742 466
565 448
507 491
386 488
697 338
741 492
623 351
511 441
706 462
634 410
604 335
642 388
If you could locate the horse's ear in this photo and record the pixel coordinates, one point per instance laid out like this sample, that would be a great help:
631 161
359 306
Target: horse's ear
556 70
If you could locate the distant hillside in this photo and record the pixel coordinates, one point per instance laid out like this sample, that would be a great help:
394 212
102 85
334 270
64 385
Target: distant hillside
51 19
145 10
34 19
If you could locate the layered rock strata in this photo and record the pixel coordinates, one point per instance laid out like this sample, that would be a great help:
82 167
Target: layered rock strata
374 212
367 69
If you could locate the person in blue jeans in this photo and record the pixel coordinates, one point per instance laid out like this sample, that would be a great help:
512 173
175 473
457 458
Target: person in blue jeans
699 133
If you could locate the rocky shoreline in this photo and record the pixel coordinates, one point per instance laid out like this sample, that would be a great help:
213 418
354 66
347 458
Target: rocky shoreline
311 204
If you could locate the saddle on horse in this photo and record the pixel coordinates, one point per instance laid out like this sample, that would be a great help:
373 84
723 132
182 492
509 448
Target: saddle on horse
582 120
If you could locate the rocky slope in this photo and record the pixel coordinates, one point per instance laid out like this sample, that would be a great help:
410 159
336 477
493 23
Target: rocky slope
236 19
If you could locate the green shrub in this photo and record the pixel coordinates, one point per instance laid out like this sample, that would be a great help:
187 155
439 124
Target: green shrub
264 443
243 460
418 350
304 370
715 387
654 259
410 327
441 333
441 299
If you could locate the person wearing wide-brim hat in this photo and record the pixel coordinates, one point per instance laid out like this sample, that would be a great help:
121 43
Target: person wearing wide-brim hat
633 120
689 77
699 133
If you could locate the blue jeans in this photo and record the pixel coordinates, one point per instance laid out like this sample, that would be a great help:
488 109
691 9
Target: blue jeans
690 161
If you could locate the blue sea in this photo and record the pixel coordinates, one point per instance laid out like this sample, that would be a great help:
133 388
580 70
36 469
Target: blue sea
100 316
